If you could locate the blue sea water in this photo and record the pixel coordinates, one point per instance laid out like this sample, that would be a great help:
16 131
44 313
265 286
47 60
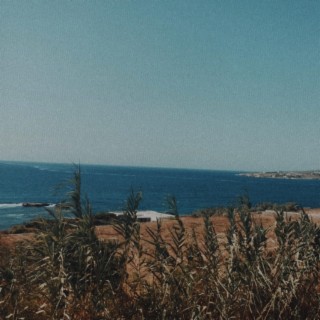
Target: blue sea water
107 187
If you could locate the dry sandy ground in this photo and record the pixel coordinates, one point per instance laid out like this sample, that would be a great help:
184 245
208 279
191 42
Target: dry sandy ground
220 224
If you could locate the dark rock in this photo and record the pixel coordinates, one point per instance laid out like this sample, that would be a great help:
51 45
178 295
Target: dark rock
35 204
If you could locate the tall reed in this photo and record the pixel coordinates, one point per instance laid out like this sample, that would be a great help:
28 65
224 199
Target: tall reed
67 272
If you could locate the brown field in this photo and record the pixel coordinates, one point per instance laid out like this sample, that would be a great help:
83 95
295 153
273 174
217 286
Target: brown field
220 222
249 274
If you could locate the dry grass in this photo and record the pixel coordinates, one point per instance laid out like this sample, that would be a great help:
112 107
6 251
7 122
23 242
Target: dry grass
238 266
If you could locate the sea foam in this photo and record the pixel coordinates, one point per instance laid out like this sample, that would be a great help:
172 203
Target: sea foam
10 205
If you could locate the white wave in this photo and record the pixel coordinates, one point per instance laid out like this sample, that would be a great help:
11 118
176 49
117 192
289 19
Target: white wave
13 215
41 168
10 205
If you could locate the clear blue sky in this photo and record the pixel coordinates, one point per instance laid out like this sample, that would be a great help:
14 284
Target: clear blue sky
197 84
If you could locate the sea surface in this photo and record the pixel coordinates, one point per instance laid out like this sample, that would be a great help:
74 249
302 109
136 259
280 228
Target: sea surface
107 188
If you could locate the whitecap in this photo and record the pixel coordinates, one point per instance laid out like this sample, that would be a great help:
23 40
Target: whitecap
10 205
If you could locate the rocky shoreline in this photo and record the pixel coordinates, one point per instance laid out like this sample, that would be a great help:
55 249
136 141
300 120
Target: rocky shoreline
310 175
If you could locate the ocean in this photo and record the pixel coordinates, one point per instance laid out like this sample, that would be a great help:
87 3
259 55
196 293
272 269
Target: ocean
107 188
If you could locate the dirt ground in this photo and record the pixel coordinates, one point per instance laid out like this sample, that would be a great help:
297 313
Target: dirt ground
267 219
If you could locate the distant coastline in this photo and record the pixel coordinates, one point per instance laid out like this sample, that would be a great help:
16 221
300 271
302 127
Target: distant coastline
309 175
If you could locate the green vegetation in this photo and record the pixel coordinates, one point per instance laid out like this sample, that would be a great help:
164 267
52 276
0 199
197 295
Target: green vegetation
67 272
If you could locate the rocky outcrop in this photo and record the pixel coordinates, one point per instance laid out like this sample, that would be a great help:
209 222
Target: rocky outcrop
310 175
35 204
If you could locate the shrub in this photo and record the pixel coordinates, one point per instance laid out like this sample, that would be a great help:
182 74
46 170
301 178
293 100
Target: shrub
68 273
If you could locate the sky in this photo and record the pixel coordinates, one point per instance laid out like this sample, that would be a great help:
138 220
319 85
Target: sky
223 85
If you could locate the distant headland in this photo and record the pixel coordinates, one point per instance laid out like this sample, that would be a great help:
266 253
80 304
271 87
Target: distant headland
311 175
